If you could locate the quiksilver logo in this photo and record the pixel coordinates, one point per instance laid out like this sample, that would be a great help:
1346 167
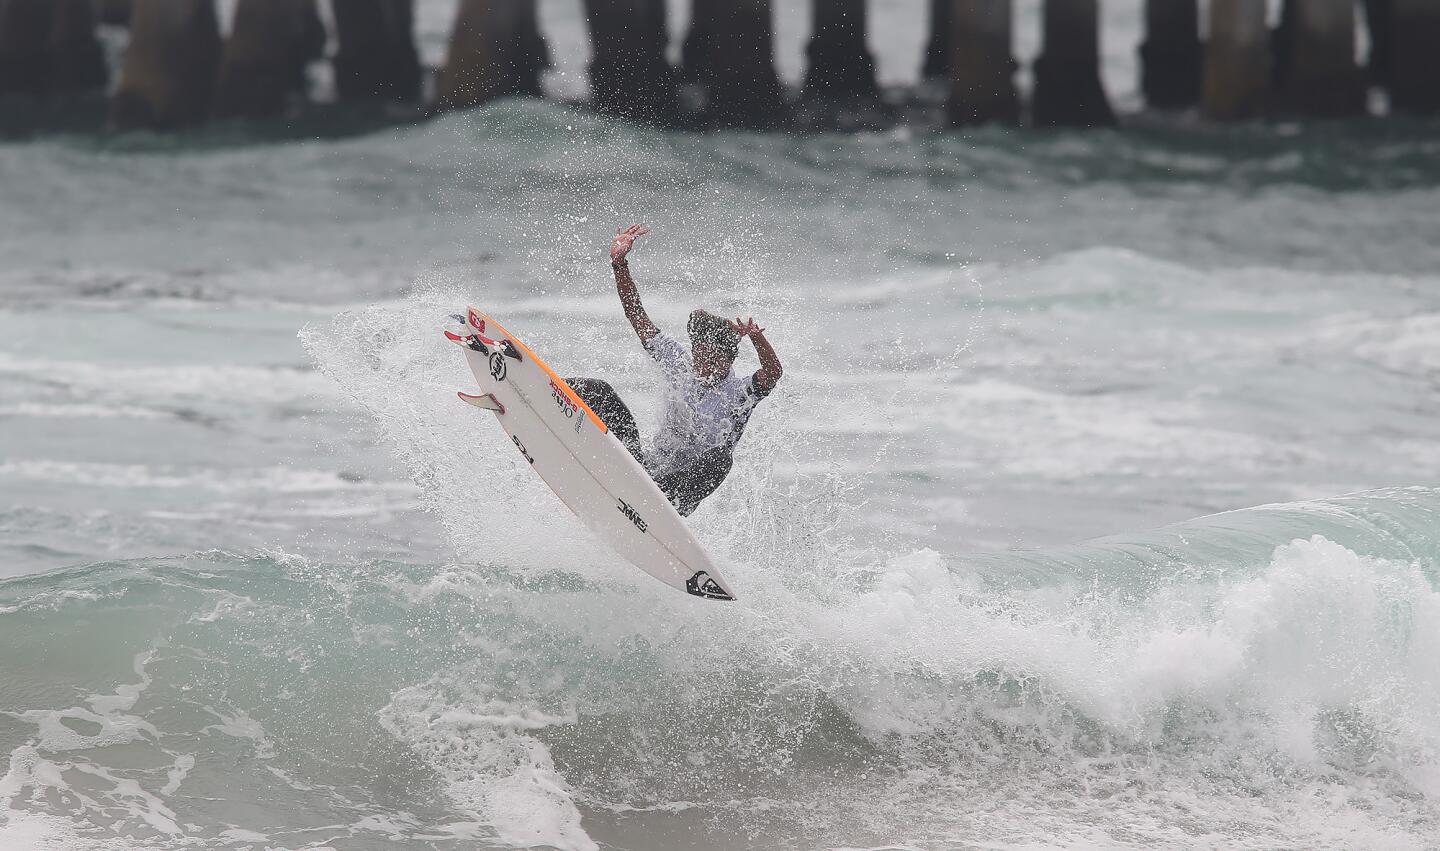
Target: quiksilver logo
701 585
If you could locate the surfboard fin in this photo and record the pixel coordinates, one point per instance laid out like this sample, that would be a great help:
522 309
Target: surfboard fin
469 341
486 401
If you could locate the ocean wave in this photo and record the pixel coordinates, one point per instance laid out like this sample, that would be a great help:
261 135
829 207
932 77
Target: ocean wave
1234 667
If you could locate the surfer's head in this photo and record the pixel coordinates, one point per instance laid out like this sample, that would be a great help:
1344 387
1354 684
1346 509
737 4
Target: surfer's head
713 345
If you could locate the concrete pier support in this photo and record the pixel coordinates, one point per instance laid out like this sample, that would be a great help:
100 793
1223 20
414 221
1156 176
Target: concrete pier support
376 58
739 65
50 46
696 47
1315 71
1414 60
982 68
115 13
840 62
629 74
1172 60
1377 23
937 49
1068 92
77 61
168 76
1237 61
264 61
495 50
24 32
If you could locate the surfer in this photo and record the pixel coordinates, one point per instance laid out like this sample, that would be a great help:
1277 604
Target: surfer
705 407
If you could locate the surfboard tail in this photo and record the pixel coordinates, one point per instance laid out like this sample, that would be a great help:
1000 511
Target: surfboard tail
476 342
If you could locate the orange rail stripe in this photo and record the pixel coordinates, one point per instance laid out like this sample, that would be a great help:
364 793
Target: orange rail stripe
574 397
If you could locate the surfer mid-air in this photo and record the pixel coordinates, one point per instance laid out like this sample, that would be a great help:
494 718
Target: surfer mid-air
581 439
706 405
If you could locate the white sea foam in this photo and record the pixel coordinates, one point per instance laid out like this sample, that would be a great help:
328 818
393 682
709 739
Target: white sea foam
1409 345
51 600
29 830
126 383
1321 636
282 480
65 411
239 725
35 772
490 767
176 774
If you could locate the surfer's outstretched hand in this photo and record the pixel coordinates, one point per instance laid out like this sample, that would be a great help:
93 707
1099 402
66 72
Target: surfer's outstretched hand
625 240
768 375
746 328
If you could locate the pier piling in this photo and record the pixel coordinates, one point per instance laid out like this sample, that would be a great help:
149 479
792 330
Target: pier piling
840 62
495 51
696 47
77 61
1237 61
270 43
376 57
1172 59
115 13
936 65
168 75
1414 60
738 65
1068 91
24 32
1316 74
176 69
1377 24
982 68
629 74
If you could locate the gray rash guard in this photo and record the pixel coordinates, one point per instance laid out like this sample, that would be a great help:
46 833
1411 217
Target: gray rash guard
695 417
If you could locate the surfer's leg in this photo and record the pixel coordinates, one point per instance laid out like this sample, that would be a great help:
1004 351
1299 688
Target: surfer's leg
611 410
687 487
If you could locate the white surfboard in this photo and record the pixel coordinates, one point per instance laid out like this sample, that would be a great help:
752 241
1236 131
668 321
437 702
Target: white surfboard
572 450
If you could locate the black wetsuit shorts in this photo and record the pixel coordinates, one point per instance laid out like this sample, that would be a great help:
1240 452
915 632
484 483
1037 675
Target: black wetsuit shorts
685 488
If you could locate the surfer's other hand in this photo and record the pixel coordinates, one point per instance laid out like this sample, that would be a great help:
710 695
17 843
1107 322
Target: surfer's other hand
625 240
744 328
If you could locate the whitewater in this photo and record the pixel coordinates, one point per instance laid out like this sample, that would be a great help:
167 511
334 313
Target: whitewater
1099 506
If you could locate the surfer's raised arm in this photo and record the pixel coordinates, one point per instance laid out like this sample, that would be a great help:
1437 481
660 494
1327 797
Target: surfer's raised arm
625 285
768 375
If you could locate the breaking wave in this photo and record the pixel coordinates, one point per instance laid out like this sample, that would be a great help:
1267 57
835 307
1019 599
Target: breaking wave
1259 678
